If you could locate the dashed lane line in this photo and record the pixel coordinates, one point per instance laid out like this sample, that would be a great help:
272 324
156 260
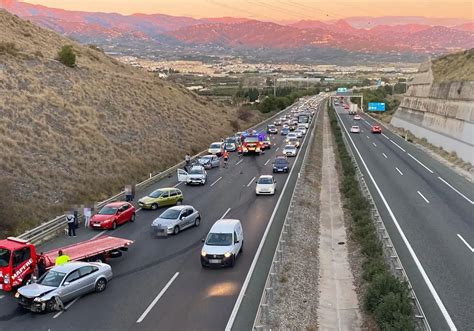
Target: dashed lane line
385 156
225 214
218 179
67 307
401 173
251 181
421 195
466 243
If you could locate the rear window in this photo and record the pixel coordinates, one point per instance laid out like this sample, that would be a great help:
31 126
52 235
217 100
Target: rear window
251 140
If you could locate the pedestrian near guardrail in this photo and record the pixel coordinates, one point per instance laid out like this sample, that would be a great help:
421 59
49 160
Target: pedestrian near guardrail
87 216
71 226
187 160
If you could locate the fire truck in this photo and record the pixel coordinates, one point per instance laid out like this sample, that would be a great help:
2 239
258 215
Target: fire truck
18 258
252 143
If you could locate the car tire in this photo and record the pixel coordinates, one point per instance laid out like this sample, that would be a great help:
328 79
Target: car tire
114 225
101 285
241 247
197 221
176 230
154 206
179 202
50 305
232 262
132 219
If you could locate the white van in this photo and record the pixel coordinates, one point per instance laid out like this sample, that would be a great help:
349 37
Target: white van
223 244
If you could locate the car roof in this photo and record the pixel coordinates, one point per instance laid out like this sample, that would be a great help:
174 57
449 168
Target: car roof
265 176
208 155
166 189
115 204
200 167
70 266
290 146
355 126
217 142
180 207
224 225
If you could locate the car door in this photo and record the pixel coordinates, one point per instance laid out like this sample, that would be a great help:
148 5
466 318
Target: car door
236 246
71 286
165 197
21 264
88 276
215 161
182 175
183 219
173 196
125 214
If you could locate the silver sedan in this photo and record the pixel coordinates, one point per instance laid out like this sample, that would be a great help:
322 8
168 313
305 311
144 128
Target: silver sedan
176 219
65 283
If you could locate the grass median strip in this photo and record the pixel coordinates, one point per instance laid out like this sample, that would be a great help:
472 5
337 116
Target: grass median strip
385 298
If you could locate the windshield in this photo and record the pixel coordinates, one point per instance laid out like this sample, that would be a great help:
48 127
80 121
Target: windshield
170 214
230 140
280 161
290 147
219 239
265 180
108 211
197 171
303 119
215 146
51 278
205 159
4 257
156 194
251 140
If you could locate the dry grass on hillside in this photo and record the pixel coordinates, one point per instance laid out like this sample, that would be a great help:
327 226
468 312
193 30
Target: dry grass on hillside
454 67
75 135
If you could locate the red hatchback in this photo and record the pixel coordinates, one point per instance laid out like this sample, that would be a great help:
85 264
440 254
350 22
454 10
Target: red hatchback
112 215
376 129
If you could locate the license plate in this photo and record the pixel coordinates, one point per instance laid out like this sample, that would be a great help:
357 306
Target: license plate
280 170
96 225
215 261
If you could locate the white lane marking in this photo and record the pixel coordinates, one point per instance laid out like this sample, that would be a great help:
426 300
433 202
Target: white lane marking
67 307
397 145
99 234
368 137
137 210
375 145
466 243
276 150
218 179
401 173
1 297
427 280
251 181
243 289
267 162
385 156
419 162
239 162
385 136
153 303
455 190
176 185
366 122
225 214
421 195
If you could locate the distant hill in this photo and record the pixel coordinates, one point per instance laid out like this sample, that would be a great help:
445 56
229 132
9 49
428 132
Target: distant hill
388 38
72 135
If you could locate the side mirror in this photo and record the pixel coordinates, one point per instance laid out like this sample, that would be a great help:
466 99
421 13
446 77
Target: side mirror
236 242
66 284
181 217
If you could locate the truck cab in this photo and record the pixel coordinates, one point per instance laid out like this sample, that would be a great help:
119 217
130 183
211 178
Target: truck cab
252 144
17 262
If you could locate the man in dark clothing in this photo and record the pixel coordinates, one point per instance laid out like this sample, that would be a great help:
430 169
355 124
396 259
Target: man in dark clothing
76 219
41 265
71 226
128 193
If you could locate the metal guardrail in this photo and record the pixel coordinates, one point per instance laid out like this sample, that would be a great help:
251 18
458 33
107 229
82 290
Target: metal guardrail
262 318
50 228
390 253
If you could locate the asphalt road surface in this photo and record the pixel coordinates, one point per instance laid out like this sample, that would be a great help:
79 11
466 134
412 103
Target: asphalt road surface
159 283
428 211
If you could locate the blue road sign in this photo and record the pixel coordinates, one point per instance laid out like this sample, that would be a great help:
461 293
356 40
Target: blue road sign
376 106
341 89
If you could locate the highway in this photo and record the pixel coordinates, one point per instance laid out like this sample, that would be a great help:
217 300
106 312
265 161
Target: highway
159 283
428 211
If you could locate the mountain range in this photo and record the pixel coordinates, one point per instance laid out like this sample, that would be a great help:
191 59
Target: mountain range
349 35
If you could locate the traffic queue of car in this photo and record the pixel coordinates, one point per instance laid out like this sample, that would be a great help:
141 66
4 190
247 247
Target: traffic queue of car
376 129
86 272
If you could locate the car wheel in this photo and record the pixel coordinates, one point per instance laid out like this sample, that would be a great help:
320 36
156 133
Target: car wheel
114 225
98 258
197 221
50 305
101 285
179 202
241 247
232 262
154 206
132 219
176 230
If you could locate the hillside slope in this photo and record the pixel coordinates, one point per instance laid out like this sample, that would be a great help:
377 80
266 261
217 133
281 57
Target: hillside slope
73 135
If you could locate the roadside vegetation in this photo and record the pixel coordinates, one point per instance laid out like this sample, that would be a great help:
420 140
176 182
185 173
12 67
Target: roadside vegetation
454 67
385 298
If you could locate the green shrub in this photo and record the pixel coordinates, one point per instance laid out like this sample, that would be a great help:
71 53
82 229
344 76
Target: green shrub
394 313
67 56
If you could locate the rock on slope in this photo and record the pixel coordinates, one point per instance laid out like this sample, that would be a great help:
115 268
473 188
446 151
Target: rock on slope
69 135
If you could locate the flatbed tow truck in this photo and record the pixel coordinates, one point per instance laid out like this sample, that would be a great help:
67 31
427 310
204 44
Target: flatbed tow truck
18 258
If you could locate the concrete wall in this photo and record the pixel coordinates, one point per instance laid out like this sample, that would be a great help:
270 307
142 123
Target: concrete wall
443 113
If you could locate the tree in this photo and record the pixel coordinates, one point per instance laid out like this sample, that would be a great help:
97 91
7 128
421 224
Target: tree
252 94
67 56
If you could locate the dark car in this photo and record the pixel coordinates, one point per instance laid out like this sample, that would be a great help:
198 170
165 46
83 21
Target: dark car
281 164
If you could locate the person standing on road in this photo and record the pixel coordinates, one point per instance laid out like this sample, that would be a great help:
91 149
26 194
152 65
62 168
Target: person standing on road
128 193
87 216
239 150
187 160
40 265
76 219
226 158
61 259
71 226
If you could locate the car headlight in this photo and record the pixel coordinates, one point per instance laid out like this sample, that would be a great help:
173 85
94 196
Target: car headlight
227 255
37 299
203 253
6 279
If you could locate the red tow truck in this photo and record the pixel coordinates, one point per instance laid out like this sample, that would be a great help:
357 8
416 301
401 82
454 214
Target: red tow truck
18 258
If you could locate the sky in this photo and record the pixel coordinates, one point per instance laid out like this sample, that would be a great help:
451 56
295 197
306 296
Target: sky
277 10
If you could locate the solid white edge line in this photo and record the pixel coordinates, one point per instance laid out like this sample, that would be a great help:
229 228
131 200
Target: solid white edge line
238 302
267 161
176 185
397 145
251 181
99 234
401 173
138 209
225 214
385 156
385 136
427 280
239 162
153 303
466 243
218 179
455 190
67 307
421 195
419 162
